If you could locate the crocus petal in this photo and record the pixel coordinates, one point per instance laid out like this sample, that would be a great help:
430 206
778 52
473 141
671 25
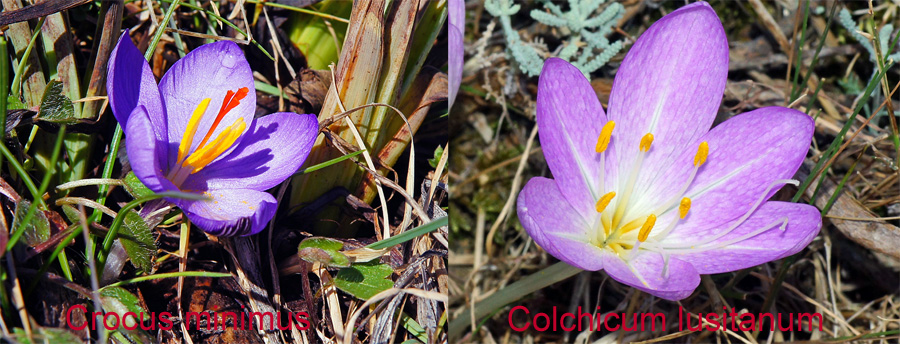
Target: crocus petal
210 71
130 83
231 212
570 119
646 272
670 84
146 152
747 154
804 222
555 225
273 149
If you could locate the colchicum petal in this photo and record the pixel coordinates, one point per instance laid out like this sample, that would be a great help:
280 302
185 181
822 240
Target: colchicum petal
752 154
555 225
650 194
570 119
196 132
675 71
674 279
455 52
776 240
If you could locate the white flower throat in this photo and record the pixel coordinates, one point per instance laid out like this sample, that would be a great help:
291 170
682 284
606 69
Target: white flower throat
611 230
624 228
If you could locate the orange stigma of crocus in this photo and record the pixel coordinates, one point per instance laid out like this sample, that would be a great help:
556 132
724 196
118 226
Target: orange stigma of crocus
207 151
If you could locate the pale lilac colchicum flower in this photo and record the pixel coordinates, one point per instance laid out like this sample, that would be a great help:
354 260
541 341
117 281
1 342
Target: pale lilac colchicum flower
647 192
196 132
455 29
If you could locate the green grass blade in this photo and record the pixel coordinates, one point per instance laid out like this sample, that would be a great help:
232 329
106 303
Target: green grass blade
410 234
845 339
226 22
170 275
45 182
329 162
120 217
819 47
266 88
4 87
511 293
840 186
159 31
20 170
795 85
835 145
17 80
299 10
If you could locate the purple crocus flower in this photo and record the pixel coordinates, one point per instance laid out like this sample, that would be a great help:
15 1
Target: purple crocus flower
179 138
457 17
648 192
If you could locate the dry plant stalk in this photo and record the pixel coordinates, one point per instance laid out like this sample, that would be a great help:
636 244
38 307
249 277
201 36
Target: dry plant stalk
355 76
375 66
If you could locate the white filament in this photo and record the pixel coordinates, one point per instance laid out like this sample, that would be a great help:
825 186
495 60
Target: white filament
783 221
671 203
622 204
635 272
665 272
743 218
668 229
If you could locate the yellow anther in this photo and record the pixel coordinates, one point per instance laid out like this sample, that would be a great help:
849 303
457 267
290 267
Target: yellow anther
684 207
646 141
191 129
645 229
605 136
604 200
209 152
702 153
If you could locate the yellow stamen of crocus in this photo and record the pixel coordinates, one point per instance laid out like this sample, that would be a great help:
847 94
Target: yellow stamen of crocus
684 207
188 139
645 229
702 153
604 200
206 154
646 141
605 136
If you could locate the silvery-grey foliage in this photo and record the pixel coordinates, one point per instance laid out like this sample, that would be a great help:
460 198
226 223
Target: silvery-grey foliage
584 23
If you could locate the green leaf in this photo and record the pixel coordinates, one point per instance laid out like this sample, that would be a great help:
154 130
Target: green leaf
121 301
14 103
46 335
138 241
437 157
323 250
71 213
364 280
56 107
135 187
38 230
413 327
